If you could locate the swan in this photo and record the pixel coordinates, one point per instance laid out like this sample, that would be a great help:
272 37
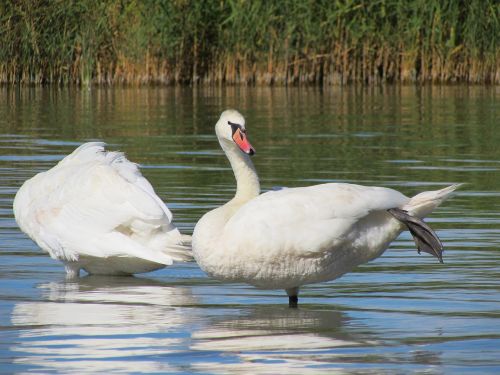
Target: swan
291 237
95 211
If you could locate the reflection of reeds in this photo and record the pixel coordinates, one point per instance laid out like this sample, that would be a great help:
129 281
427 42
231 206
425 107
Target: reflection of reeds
249 42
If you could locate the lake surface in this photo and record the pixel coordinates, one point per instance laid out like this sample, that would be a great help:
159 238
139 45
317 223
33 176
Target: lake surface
402 313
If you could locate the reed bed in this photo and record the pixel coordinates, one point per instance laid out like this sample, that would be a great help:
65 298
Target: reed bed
272 42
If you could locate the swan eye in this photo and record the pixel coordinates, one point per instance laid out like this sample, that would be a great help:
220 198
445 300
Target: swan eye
235 126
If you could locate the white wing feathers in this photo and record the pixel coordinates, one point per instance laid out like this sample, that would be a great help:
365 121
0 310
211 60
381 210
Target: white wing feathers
97 203
306 219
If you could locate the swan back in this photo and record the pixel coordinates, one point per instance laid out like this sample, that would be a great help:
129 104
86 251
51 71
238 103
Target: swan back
296 236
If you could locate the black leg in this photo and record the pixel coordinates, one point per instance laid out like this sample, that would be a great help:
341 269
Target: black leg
293 301
423 235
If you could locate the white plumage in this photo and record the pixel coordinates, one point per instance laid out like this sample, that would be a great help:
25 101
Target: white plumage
291 237
95 211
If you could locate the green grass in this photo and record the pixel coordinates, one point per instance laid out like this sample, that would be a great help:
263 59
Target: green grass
325 42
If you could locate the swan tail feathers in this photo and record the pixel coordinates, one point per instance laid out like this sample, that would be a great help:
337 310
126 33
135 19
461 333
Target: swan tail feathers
424 203
181 251
186 239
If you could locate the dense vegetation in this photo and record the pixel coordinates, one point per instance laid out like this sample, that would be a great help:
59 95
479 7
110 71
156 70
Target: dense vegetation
238 41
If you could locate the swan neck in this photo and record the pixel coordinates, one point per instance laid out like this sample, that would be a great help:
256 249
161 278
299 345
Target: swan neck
247 180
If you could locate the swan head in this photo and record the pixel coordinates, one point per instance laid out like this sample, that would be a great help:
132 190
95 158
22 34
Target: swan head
230 130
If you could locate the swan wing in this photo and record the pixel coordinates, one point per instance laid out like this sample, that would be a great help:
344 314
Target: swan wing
306 221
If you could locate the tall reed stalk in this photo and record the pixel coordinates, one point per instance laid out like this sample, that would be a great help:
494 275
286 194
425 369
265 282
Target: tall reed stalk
327 42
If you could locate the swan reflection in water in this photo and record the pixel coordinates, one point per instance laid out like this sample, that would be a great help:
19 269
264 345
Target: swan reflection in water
271 339
312 339
103 323
106 324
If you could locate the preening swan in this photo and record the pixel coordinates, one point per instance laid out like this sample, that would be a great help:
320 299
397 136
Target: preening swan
95 211
288 238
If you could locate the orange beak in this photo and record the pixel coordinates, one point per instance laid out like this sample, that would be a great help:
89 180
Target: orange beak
240 138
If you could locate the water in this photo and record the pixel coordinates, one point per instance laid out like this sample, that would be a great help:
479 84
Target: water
403 313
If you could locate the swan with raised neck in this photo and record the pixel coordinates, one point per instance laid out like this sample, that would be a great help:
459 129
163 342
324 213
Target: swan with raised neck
288 238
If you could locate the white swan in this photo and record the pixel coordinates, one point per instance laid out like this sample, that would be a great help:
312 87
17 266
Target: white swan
95 211
291 237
